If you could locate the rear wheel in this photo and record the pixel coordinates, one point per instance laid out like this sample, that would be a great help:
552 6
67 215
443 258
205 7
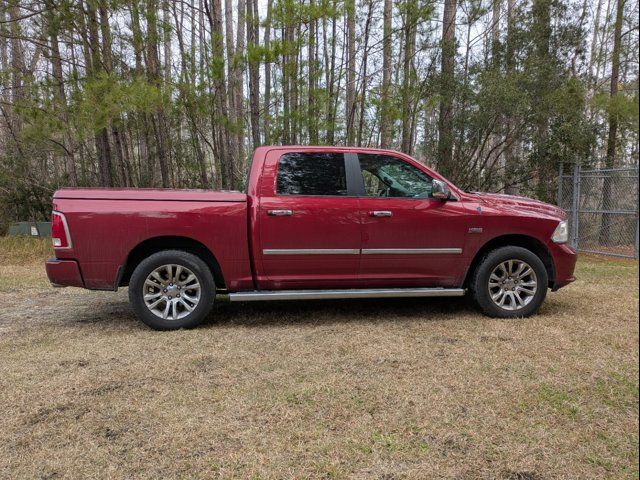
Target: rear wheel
510 282
172 289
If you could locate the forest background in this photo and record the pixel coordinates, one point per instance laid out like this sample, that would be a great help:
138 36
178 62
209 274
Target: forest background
498 95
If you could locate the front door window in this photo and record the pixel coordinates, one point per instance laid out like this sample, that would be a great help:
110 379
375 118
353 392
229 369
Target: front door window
386 176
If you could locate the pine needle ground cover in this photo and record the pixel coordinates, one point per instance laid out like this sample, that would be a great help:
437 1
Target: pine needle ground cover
342 389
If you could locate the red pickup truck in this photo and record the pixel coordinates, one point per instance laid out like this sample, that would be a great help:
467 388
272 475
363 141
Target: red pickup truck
315 223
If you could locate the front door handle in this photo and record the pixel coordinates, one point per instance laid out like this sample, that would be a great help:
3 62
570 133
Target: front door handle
380 213
280 213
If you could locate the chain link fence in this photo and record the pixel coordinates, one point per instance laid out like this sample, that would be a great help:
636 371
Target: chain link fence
603 210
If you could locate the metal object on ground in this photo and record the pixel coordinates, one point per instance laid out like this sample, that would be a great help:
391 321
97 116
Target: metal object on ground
31 229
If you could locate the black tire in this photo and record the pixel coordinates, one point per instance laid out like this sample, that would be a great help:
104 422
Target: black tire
187 261
479 284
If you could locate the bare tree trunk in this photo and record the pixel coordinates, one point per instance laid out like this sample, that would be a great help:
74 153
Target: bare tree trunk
107 62
610 162
312 117
17 54
493 159
293 83
542 37
447 88
337 81
495 33
365 58
220 133
331 113
164 119
407 72
103 147
386 123
146 160
60 97
351 71
17 68
594 46
158 121
238 69
166 41
254 70
510 159
4 53
187 74
286 93
234 146
267 76
603 44
5 86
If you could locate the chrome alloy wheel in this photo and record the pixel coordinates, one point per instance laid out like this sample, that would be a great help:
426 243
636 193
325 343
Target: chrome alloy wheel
171 292
512 284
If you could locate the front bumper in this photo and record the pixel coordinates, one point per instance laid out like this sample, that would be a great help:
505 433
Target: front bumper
64 273
564 260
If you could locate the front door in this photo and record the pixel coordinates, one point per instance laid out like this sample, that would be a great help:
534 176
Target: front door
308 221
408 238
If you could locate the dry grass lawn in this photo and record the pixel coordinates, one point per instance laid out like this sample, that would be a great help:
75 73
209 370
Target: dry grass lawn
387 389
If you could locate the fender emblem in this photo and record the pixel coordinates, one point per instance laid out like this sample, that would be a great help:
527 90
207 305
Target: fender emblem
475 230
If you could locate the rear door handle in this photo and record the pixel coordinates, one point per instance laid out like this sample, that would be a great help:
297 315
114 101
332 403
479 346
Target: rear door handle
380 213
280 213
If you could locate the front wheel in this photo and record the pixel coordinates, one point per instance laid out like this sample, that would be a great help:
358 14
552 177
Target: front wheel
172 289
510 282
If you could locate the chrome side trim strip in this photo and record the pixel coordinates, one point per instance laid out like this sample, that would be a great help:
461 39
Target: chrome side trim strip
258 295
311 251
364 251
411 251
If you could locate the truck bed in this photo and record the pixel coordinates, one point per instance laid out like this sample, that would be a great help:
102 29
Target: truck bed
109 225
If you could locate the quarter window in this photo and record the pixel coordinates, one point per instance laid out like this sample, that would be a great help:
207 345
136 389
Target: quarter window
312 174
386 176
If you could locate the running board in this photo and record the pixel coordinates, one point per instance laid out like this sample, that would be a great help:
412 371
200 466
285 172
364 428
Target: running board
258 295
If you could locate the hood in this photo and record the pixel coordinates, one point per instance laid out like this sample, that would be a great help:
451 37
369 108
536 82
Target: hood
520 204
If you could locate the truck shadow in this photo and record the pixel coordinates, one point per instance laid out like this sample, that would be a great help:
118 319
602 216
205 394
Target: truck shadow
323 312
106 309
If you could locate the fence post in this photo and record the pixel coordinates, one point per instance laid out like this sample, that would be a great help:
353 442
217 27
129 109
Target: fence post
636 246
575 206
635 251
560 172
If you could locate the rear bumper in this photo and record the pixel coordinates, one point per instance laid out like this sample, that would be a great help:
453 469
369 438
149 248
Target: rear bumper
64 273
564 259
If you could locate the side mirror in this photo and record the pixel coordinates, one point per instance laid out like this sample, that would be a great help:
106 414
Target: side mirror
440 190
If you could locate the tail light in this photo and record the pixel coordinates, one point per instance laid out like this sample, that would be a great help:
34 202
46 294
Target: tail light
60 231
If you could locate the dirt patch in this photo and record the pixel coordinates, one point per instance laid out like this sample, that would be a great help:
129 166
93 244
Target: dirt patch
359 389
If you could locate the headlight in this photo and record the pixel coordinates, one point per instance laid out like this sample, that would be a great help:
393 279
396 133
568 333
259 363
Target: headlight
561 233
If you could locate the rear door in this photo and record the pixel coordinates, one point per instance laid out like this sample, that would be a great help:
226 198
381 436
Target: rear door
408 237
308 221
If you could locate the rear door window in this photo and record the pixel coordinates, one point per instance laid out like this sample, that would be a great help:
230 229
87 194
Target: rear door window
319 174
